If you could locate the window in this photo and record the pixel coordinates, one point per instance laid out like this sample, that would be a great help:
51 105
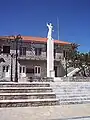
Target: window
46 49
2 60
37 70
38 51
5 68
22 50
23 69
20 69
54 53
6 49
64 53
0 49
30 70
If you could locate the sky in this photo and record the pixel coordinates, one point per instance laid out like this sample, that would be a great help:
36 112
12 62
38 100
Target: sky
29 17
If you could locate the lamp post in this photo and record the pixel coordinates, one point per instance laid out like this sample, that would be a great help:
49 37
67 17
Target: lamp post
66 61
18 37
11 66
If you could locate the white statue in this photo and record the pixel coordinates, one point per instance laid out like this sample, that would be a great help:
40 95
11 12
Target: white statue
50 27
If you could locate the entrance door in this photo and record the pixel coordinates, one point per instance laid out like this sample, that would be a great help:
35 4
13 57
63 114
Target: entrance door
22 71
55 68
37 71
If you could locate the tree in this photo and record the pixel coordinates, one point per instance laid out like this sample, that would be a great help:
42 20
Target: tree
78 59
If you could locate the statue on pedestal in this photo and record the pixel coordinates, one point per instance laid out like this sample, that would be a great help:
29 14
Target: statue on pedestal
50 27
50 52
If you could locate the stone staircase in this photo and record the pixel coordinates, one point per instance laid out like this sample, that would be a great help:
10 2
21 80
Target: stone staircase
72 92
26 94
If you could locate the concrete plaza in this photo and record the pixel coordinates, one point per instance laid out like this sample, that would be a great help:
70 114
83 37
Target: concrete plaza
62 112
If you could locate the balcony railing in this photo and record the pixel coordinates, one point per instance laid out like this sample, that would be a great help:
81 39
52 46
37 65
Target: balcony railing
35 57
32 57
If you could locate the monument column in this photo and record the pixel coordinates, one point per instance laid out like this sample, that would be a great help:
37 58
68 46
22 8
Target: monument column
50 52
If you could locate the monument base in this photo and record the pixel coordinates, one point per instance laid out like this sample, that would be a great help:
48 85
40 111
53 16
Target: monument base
52 73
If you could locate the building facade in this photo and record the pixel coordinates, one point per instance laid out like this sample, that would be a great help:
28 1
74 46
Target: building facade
32 57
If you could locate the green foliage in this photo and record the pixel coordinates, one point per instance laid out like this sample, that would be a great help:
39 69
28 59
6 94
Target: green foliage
77 58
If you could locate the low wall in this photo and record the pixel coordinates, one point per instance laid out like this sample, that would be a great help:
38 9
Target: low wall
40 79
73 79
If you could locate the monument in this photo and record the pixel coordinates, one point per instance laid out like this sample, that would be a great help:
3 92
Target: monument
50 52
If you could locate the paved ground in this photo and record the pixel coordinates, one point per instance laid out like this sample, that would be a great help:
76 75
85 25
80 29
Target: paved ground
75 112
75 118
78 118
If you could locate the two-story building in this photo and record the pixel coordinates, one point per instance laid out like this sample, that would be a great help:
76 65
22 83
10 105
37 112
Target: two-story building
32 57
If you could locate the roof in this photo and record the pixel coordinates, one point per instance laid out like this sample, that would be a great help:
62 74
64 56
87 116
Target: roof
37 39
42 40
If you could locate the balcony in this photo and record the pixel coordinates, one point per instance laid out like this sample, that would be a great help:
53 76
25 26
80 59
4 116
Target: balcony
35 57
32 57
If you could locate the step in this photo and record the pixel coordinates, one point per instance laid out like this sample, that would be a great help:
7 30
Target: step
75 99
75 88
76 92
67 93
70 89
73 96
73 91
27 84
66 87
24 89
74 102
79 90
11 96
74 85
28 102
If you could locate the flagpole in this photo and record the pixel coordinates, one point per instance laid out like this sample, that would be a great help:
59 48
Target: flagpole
58 28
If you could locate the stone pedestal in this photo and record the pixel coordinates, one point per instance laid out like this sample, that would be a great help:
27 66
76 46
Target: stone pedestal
50 58
52 73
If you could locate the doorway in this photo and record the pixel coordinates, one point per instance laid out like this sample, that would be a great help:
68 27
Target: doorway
37 71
